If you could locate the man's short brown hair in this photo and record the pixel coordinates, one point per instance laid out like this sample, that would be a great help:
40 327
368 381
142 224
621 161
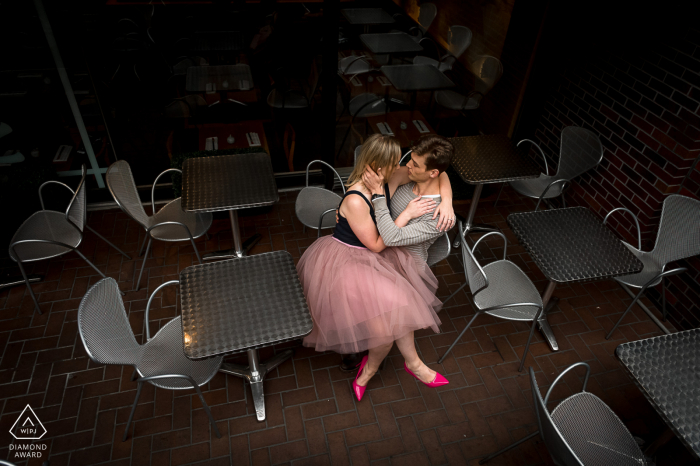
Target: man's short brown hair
438 150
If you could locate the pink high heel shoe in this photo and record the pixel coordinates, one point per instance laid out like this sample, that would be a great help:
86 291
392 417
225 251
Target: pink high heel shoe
439 380
359 390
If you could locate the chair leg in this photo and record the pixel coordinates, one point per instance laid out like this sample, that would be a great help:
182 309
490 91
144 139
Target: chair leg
145 258
94 267
196 251
509 447
455 292
29 286
499 194
634 301
527 346
143 245
133 409
108 242
457 339
206 409
663 297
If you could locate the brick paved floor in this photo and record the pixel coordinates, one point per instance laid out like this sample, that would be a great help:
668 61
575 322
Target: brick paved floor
312 417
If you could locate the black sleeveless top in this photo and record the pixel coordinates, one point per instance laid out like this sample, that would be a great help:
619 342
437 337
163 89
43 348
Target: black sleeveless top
343 232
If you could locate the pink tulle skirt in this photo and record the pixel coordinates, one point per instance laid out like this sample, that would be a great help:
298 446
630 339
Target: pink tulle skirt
360 299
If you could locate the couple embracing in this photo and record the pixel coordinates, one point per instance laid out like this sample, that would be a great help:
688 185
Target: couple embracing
368 285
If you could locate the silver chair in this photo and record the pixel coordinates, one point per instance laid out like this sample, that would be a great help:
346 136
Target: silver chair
459 38
439 250
48 234
582 430
354 65
301 95
108 339
170 223
426 16
499 289
678 238
313 203
581 150
488 70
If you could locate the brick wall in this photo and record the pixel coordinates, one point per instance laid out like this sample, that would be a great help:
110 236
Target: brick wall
642 98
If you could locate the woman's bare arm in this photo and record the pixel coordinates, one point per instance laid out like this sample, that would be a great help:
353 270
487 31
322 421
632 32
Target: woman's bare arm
356 211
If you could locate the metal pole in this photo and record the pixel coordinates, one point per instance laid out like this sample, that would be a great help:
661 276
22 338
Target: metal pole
46 26
331 12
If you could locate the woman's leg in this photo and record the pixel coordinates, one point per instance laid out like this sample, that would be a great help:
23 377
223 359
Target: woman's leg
374 359
407 346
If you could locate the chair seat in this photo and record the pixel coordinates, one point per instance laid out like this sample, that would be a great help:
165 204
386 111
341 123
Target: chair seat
508 285
455 101
163 354
439 250
365 105
46 225
594 433
353 65
290 99
312 202
198 223
650 270
535 186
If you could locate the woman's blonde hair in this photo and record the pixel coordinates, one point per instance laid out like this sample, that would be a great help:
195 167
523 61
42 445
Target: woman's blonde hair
378 151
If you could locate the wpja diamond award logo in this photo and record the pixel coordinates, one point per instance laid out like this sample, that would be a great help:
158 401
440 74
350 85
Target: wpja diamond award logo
27 427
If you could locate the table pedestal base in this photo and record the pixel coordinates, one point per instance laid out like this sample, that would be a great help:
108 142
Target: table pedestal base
254 373
549 302
239 250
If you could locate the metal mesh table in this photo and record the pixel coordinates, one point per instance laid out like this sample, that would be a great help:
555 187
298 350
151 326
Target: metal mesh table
394 42
571 245
667 371
488 159
222 41
229 182
412 78
242 305
223 78
367 16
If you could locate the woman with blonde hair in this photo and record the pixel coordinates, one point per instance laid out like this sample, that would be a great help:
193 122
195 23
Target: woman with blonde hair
363 295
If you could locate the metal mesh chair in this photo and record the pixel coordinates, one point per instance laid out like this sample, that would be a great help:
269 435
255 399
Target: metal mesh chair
108 339
581 430
678 238
488 70
354 65
581 150
170 223
499 289
439 250
426 16
313 203
459 38
48 234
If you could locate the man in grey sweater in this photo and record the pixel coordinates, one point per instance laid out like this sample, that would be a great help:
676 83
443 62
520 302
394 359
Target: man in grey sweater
406 218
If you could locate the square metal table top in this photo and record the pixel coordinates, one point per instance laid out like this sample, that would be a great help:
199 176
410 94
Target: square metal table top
223 77
491 159
241 304
667 371
393 42
572 245
216 41
228 182
367 16
411 78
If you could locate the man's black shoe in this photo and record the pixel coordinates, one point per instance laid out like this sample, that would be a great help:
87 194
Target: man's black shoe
351 362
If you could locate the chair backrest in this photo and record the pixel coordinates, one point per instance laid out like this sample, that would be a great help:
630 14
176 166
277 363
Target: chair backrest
488 70
356 154
556 445
581 150
104 327
679 230
77 208
121 184
475 274
428 12
439 250
459 38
